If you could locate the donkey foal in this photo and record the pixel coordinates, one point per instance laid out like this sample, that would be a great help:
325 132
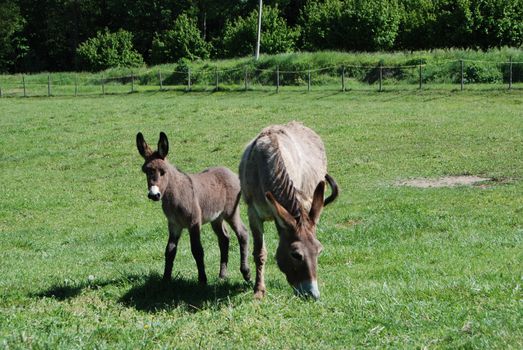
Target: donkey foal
188 201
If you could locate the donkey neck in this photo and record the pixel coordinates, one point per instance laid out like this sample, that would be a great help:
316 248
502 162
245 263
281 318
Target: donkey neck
179 184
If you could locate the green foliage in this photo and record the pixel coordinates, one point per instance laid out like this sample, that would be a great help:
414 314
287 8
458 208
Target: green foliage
497 23
183 41
350 25
239 36
107 50
12 43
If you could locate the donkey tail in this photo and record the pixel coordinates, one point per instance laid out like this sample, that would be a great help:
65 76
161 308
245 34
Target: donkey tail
334 188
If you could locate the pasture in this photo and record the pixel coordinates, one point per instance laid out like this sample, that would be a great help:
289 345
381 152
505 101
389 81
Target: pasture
82 247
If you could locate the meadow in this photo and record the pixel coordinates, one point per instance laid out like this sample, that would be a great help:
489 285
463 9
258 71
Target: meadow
81 246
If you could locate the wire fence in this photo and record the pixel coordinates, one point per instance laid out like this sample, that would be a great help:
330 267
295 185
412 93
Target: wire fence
449 74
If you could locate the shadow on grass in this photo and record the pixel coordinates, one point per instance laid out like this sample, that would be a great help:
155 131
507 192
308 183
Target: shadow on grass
71 289
153 294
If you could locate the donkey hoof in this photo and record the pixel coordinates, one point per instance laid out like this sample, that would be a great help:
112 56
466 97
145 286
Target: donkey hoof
259 294
246 275
166 279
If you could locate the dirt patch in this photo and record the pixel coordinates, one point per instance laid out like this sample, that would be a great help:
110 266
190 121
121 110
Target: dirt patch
447 181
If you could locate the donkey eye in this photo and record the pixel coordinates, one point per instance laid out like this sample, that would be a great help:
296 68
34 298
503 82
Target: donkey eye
162 172
297 255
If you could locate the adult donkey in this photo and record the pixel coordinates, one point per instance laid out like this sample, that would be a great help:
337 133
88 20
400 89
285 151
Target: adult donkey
188 201
282 175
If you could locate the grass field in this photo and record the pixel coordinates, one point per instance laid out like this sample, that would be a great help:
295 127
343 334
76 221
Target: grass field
82 247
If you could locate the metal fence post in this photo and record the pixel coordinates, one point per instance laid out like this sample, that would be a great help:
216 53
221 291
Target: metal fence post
75 85
420 76
23 83
462 79
48 85
510 74
188 79
132 82
1 92
343 78
245 79
160 79
277 78
217 79
309 79
381 76
103 85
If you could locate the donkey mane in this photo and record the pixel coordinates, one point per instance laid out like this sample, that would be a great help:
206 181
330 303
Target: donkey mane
279 181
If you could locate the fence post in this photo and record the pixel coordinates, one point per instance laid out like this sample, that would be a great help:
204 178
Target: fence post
48 85
23 83
103 85
189 79
217 81
160 78
510 74
381 76
1 92
75 85
132 82
277 78
343 78
420 76
309 79
462 79
245 78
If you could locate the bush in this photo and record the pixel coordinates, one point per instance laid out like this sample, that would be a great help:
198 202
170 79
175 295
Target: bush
239 37
183 41
351 25
108 50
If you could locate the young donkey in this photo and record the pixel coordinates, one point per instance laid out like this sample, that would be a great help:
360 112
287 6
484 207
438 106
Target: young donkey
188 201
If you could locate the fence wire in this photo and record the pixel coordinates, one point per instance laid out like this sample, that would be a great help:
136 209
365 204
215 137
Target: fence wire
446 74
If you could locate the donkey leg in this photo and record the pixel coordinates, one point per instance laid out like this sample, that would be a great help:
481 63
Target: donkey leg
259 253
223 241
197 252
243 239
170 250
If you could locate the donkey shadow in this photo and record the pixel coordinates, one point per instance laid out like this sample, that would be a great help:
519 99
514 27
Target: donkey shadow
154 294
151 294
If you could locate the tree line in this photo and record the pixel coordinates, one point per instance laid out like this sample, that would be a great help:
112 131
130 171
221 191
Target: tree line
65 35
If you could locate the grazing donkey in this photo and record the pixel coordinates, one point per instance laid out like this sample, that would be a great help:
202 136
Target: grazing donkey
188 201
282 175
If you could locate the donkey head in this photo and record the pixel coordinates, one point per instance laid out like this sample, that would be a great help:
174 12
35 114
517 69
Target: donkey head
155 166
298 250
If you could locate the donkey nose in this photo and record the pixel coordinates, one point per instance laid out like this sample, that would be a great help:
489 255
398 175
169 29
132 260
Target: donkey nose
154 193
154 196
308 288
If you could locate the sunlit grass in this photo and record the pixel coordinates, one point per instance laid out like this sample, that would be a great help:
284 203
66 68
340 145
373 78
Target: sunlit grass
82 247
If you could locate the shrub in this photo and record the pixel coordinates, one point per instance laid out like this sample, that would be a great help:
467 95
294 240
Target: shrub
239 37
183 41
108 50
351 25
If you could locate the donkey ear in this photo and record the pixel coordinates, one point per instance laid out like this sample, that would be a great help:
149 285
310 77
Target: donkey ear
163 145
317 202
283 217
143 148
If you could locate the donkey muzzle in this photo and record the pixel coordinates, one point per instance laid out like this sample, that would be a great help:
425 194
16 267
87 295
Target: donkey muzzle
154 193
308 289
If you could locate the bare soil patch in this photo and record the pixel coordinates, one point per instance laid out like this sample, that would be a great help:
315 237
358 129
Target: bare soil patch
446 181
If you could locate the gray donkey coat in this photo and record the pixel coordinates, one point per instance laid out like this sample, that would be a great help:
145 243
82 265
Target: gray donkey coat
282 174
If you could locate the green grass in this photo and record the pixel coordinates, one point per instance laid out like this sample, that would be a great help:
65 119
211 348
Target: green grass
82 247
441 70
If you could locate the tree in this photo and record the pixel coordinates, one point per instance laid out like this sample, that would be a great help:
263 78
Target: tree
239 36
107 50
183 41
350 25
12 44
